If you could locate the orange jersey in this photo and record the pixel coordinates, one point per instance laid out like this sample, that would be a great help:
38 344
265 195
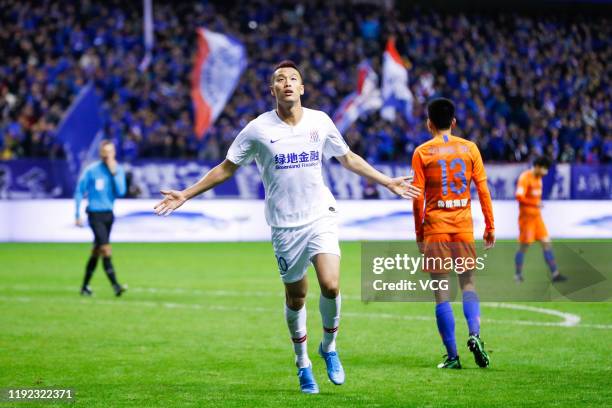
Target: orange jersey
529 193
444 168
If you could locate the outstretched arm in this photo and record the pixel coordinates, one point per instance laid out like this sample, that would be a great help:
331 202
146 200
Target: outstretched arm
399 185
173 199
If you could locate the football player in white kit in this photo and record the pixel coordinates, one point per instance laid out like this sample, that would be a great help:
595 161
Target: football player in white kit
288 145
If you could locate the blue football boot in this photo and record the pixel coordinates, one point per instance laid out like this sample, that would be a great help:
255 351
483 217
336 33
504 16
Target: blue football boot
308 385
335 372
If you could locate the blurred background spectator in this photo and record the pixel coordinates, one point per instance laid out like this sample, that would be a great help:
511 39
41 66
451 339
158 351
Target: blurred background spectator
524 85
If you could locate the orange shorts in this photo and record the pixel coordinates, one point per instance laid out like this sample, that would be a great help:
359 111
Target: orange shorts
445 252
531 228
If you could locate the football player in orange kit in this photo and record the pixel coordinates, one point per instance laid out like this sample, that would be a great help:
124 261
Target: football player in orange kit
531 225
444 168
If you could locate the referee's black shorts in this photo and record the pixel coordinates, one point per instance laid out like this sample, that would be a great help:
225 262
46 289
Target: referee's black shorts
101 224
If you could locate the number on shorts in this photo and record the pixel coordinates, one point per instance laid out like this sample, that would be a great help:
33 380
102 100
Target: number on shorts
282 263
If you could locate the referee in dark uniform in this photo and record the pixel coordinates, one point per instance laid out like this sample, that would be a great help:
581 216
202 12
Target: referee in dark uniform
101 183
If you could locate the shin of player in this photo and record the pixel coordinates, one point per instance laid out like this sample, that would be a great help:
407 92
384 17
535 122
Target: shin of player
531 224
327 266
445 319
444 167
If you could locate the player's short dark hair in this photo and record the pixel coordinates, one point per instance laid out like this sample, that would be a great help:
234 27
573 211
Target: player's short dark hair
441 112
286 64
542 161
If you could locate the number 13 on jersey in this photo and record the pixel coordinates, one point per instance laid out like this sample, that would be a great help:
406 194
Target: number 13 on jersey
453 174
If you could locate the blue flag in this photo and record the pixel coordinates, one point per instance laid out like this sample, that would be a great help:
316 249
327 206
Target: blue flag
79 127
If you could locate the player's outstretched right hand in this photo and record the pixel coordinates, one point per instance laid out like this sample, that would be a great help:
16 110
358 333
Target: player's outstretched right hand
172 200
402 186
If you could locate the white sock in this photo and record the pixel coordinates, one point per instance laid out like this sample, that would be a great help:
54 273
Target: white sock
296 321
330 316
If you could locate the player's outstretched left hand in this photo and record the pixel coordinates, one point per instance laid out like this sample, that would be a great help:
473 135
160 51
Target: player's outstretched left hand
402 186
172 200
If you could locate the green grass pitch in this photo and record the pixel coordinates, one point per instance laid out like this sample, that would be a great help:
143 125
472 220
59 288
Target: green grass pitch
202 325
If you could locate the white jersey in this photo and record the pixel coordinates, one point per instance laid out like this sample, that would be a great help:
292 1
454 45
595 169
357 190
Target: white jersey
289 160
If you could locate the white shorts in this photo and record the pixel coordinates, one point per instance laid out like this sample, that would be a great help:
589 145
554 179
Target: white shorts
295 247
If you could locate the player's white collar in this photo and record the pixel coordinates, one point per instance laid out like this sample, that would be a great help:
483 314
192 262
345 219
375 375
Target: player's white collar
277 116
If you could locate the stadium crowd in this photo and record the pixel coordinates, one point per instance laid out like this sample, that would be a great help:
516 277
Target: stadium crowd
523 85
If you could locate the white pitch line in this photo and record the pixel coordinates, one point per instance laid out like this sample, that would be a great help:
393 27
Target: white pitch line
170 291
169 305
569 319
